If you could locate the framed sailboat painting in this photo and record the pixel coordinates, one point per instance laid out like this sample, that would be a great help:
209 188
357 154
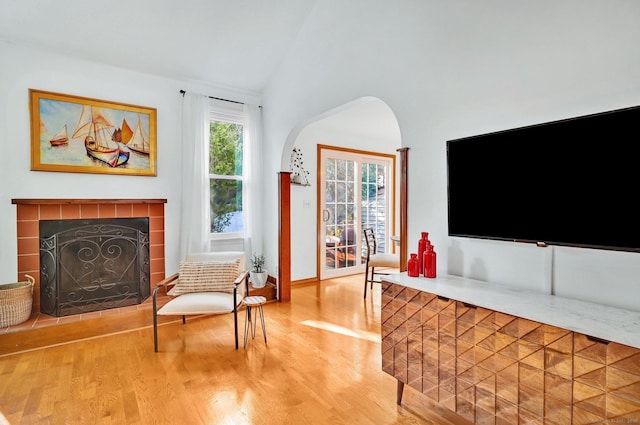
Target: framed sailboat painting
80 135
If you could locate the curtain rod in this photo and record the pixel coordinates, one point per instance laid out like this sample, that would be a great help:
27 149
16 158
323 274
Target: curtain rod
218 98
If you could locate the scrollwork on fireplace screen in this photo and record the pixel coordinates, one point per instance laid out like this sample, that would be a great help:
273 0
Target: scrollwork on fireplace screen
90 265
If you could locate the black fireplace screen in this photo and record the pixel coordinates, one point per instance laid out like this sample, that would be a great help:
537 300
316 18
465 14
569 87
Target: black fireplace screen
93 264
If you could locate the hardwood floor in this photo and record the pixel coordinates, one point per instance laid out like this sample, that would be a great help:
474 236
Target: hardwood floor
322 365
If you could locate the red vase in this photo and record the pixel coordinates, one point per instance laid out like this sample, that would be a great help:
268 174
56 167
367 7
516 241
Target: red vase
429 262
422 247
413 266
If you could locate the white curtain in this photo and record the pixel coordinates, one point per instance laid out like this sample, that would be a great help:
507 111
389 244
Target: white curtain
252 185
194 207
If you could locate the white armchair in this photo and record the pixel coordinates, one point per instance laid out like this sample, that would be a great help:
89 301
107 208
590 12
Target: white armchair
208 283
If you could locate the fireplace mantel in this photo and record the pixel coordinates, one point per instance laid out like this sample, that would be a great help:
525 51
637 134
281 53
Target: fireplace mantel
52 201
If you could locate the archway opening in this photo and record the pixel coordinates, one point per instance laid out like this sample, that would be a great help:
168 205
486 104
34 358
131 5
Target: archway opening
366 125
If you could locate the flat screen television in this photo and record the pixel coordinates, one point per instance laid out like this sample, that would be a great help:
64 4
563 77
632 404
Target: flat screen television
573 182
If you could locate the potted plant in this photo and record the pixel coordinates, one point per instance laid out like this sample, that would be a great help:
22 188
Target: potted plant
258 273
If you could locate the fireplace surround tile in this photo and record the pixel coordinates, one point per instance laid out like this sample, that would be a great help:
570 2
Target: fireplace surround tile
50 212
28 228
124 210
140 210
71 211
27 245
89 211
106 210
28 212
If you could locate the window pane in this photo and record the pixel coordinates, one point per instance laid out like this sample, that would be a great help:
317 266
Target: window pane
331 192
341 194
369 183
225 148
341 173
226 206
341 214
331 169
373 201
351 192
331 211
350 213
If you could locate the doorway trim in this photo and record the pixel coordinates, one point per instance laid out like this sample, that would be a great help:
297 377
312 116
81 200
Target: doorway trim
392 207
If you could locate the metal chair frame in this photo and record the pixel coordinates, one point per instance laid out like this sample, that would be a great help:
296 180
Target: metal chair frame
375 259
220 304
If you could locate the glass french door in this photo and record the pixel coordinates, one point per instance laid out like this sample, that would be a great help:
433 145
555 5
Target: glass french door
356 192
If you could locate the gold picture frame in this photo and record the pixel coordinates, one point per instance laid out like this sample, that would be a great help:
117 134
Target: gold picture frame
81 135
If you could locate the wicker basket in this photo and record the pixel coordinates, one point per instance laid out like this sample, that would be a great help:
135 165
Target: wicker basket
16 300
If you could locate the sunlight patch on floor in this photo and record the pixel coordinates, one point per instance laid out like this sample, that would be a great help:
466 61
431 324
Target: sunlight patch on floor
368 336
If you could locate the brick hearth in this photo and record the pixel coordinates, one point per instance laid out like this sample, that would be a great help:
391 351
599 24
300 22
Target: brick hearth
31 211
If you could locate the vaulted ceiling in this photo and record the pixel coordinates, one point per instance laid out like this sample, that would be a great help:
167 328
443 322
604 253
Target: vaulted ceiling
233 43
236 44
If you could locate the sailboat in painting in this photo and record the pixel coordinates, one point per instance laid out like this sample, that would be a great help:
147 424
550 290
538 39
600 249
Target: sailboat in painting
138 142
60 138
95 127
125 131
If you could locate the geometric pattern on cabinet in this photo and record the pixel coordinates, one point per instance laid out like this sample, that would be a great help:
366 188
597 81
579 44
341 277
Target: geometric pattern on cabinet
511 370
606 382
418 341
497 369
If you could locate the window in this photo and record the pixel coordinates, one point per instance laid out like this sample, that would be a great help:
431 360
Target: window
226 143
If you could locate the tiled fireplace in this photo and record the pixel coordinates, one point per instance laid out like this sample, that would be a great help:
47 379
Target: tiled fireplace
31 211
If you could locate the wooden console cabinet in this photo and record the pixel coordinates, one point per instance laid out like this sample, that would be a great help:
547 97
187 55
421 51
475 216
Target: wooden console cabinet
497 368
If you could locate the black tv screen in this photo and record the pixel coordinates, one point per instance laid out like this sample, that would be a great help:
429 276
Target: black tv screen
574 182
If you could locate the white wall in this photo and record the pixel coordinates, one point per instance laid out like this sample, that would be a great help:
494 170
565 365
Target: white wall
460 68
22 68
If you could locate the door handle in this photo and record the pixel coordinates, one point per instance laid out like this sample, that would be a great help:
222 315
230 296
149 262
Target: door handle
326 215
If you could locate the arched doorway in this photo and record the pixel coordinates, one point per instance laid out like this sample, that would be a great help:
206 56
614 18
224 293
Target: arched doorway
364 125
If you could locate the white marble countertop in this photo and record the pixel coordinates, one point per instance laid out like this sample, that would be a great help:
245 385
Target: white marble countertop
600 321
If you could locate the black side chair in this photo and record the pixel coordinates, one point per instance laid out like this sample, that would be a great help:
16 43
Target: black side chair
375 259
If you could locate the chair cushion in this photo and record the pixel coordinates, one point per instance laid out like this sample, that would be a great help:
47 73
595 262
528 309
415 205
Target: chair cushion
384 260
205 276
200 303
